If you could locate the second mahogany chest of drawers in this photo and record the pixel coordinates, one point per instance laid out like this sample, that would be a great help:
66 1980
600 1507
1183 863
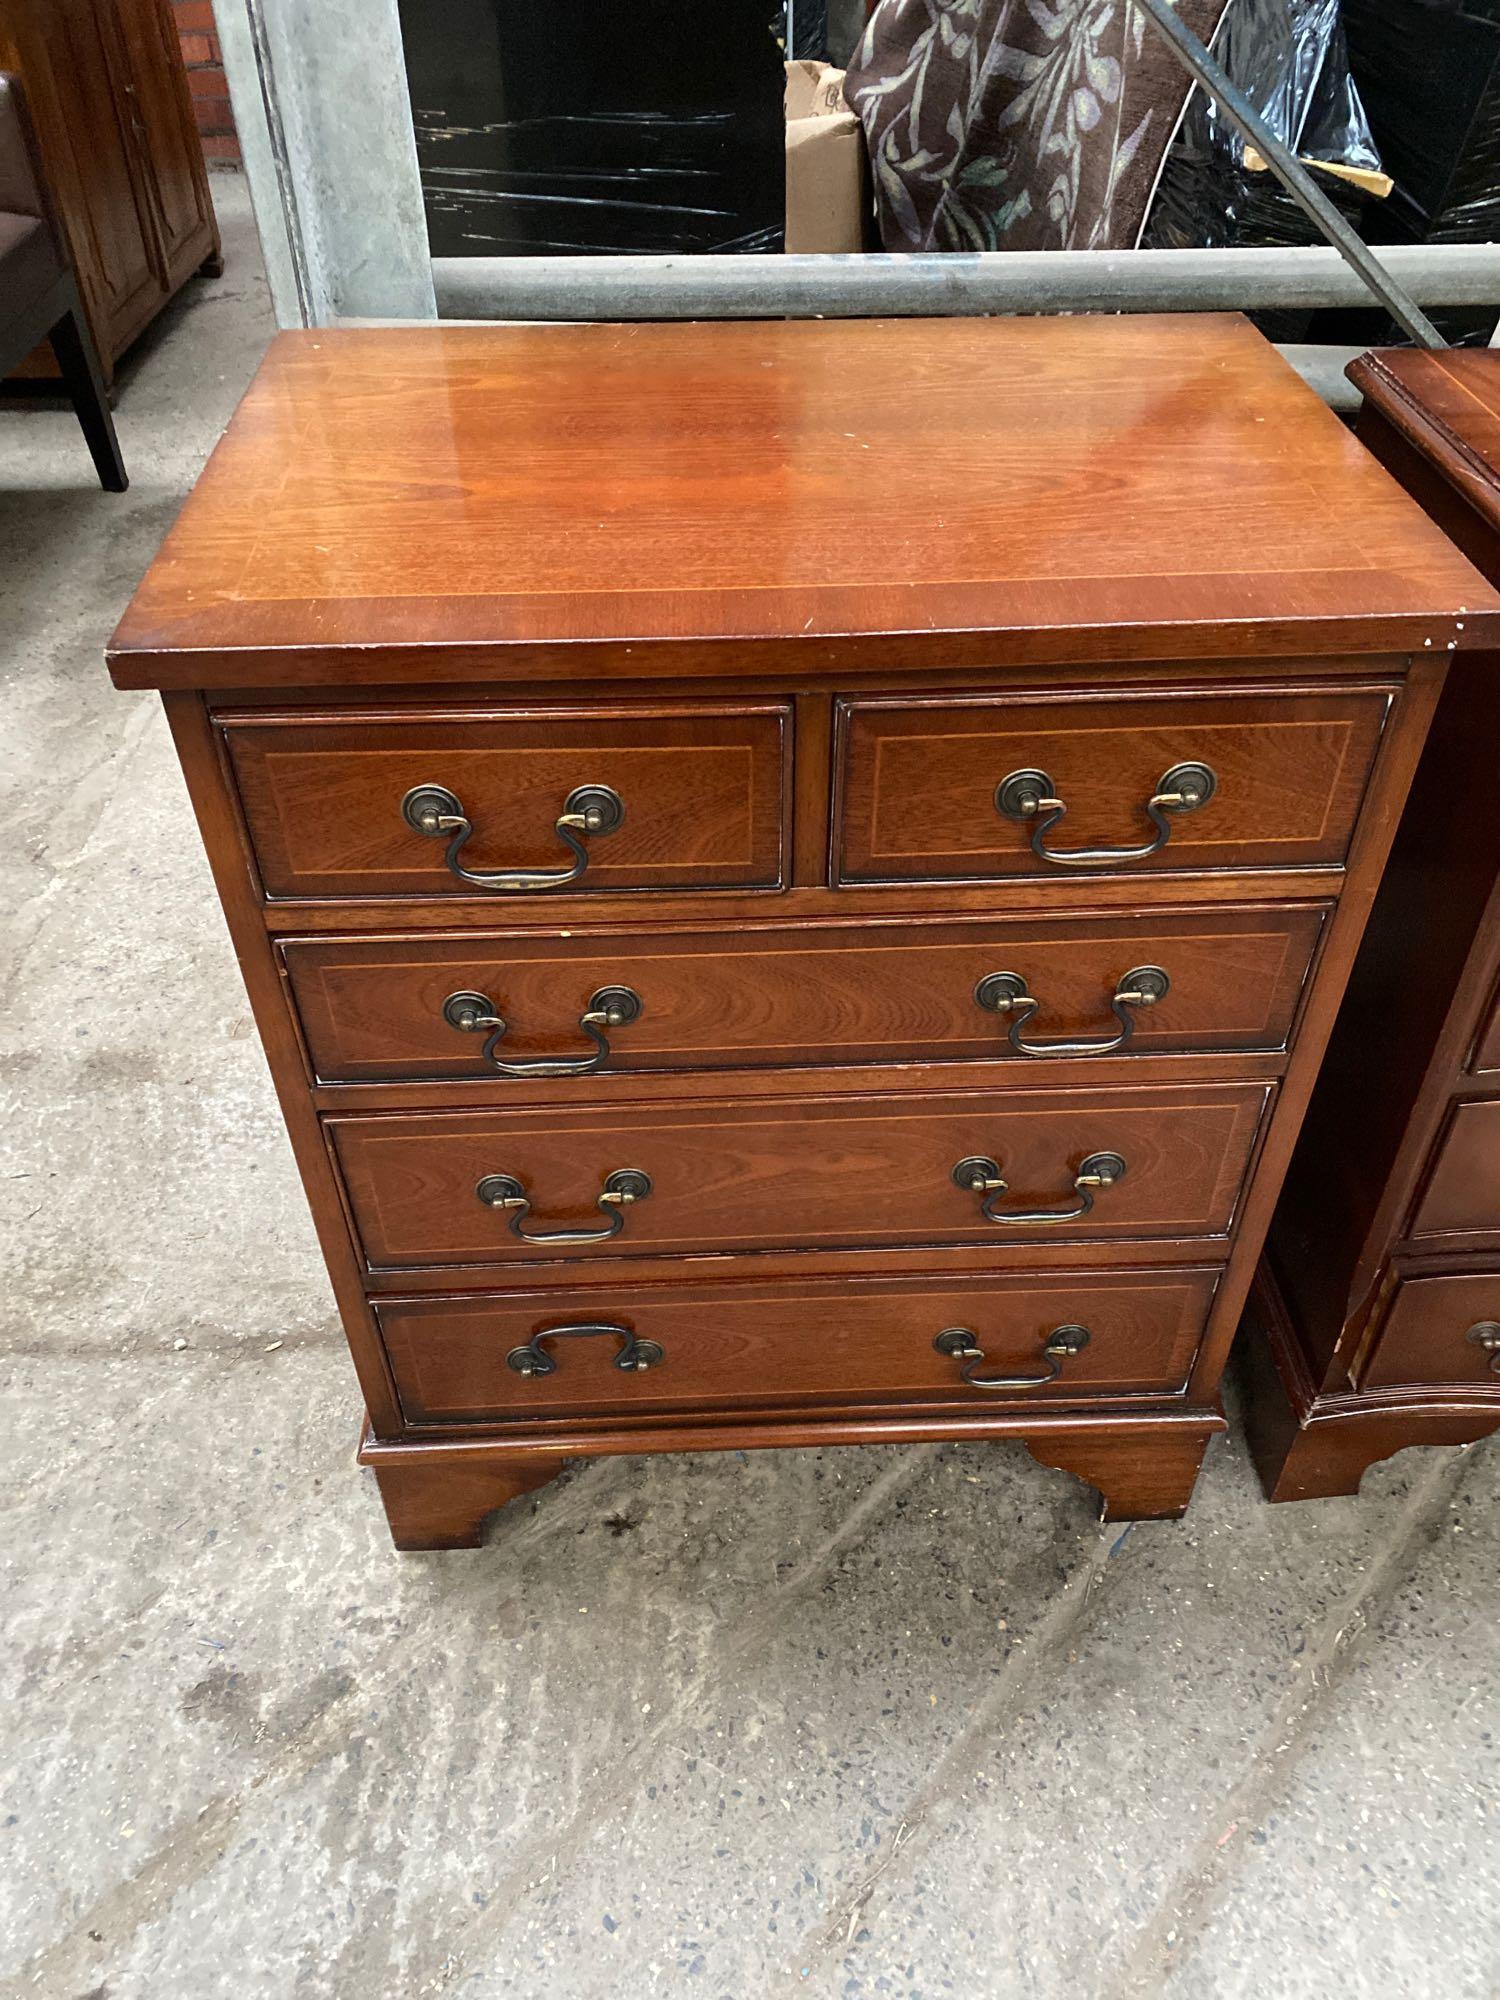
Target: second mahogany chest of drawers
794 878
1375 1323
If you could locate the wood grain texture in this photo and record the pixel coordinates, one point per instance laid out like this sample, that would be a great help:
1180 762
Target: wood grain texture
1462 1192
1139 1476
1389 1224
107 87
823 1173
764 1084
705 792
1032 896
440 1505
1329 1458
1444 405
371 1008
744 1346
918 778
1421 1336
465 503
1425 971
199 750
1311 1443
1143 1466
507 547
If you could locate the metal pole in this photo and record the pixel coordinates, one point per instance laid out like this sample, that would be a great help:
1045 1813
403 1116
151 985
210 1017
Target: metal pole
263 151
1016 281
319 89
1290 171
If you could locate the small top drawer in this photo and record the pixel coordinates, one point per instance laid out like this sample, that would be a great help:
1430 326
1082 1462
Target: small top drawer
972 790
370 803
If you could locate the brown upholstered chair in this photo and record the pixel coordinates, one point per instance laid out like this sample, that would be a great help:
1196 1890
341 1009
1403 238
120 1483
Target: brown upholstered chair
38 292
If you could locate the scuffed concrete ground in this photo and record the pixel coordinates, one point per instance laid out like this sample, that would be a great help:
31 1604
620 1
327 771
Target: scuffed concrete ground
883 1722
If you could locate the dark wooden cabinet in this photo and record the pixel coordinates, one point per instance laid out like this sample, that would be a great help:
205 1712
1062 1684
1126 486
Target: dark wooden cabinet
109 96
1375 1323
754 947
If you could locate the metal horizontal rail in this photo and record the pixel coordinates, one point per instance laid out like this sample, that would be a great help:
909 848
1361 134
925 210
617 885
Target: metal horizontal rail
1020 281
1322 369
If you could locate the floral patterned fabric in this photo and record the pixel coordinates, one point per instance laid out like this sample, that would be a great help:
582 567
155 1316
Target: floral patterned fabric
1018 124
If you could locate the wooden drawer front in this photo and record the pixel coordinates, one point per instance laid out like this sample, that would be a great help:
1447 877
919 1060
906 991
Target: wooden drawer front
1424 1338
919 778
825 1172
729 1346
703 788
373 1008
1462 1195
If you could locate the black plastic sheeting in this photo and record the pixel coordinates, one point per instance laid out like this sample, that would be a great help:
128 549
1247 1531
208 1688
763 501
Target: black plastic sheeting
597 127
1430 76
1412 86
809 28
1290 60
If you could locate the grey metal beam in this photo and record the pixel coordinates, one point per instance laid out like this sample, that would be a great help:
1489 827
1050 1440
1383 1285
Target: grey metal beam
263 155
319 95
1022 281
1322 369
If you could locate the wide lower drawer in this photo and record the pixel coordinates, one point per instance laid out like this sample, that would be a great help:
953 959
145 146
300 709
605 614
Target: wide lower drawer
952 789
714 1174
637 1350
392 1008
667 797
1462 1192
1439 1333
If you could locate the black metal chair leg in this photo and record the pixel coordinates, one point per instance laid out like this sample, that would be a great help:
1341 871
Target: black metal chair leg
74 347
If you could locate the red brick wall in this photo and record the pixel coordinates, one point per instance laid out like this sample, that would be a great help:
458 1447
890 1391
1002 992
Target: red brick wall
205 68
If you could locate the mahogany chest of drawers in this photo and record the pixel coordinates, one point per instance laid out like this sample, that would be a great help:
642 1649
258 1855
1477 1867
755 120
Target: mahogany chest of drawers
794 877
1376 1319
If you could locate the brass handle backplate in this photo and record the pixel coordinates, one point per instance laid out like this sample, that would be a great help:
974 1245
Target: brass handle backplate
611 1007
634 1355
624 1186
1028 795
982 1176
1485 1334
435 813
1059 1346
1007 993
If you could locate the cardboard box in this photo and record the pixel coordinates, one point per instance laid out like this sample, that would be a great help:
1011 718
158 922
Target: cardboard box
827 190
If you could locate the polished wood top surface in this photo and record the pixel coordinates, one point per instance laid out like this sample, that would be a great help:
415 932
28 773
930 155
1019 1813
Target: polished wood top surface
1446 405
610 501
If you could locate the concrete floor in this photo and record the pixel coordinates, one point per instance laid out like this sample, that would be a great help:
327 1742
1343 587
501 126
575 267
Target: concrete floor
902 1722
